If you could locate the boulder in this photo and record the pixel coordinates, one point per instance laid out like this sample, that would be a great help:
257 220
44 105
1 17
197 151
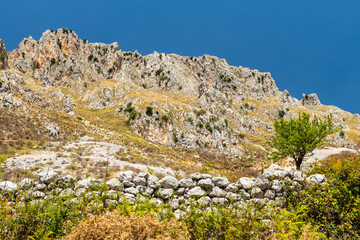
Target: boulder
153 182
220 182
206 183
26 183
196 192
8 187
310 100
169 182
186 183
217 192
165 193
126 176
246 183
47 177
317 178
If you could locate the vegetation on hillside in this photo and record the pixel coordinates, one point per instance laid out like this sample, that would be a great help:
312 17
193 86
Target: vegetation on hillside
297 137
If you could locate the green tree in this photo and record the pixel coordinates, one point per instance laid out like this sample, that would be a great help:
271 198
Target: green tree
297 137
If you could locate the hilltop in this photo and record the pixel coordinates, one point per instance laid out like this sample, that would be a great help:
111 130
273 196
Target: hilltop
85 104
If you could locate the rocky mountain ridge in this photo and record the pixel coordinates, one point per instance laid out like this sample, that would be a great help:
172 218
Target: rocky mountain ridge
180 102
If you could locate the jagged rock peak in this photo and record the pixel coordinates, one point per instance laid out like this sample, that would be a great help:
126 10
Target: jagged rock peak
3 56
310 100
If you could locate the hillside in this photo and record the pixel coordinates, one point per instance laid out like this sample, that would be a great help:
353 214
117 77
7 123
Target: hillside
64 95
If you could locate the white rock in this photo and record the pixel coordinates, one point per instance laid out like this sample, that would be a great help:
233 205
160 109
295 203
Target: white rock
220 181
206 183
196 192
126 176
169 182
47 177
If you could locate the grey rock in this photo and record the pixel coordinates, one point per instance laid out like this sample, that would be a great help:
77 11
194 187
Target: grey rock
140 181
131 190
141 189
89 196
37 194
263 184
26 183
204 201
299 176
179 214
276 185
47 177
80 192
217 192
89 183
126 176
143 175
169 182
128 184
165 193
111 194
196 176
310 100
67 192
153 182
233 196
256 193
270 194
149 191
246 183
232 187
205 176
220 201
115 184
180 191
317 178
206 183
196 192
41 187
186 183
244 195
220 181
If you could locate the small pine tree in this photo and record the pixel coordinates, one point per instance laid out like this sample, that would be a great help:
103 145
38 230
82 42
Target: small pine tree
297 137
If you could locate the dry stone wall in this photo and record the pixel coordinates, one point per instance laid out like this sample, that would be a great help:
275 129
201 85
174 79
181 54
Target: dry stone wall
199 188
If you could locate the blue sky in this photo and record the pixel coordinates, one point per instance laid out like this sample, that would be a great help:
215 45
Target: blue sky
308 46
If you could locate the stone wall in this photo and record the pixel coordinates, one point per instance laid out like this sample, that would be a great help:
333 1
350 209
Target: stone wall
200 188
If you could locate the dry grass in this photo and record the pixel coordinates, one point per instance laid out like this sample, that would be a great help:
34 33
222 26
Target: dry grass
112 226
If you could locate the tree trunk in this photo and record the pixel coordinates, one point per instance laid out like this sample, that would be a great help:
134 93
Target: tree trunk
298 162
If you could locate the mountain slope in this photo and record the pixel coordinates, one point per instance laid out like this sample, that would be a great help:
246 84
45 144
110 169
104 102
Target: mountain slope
196 113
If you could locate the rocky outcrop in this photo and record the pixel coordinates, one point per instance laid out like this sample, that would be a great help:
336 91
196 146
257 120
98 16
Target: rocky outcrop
310 100
3 56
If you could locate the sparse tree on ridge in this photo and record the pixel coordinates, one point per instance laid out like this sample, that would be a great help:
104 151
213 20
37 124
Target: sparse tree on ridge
297 137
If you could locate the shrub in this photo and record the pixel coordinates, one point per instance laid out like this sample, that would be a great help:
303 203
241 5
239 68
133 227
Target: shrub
149 111
334 208
79 118
190 120
58 43
115 226
281 113
226 122
133 114
200 112
165 118
157 73
208 127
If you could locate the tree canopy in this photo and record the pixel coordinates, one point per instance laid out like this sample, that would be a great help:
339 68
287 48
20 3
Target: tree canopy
297 137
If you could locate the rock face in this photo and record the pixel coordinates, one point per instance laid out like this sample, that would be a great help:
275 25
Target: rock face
310 100
192 102
3 56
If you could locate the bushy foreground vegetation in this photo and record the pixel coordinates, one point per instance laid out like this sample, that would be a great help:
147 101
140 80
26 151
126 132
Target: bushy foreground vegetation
330 212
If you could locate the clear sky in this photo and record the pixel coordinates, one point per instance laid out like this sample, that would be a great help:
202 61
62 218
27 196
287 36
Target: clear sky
308 46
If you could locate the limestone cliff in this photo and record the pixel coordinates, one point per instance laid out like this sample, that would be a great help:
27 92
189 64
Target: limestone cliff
192 102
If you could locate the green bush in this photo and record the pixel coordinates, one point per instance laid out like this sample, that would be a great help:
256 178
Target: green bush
335 208
200 112
208 127
149 111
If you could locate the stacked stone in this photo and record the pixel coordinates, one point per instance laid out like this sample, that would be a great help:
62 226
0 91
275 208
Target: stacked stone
202 189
